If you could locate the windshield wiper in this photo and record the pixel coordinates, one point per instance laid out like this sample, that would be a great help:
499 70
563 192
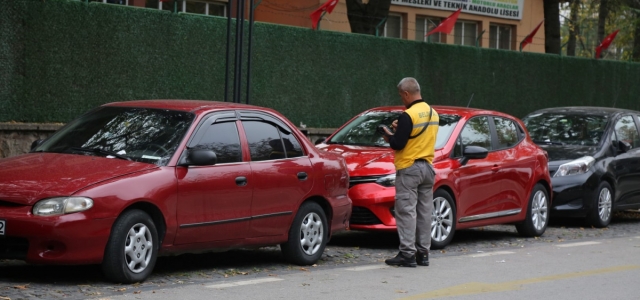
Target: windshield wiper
101 151
548 142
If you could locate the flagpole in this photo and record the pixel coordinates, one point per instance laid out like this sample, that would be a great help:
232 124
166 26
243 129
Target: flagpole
251 8
226 67
322 16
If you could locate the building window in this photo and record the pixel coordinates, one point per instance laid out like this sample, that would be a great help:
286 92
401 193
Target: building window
465 33
423 26
393 26
210 8
500 37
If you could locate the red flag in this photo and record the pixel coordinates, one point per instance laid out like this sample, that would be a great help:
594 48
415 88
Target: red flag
447 25
605 43
529 38
317 14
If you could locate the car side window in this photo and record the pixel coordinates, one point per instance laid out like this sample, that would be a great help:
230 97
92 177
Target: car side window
264 141
507 132
223 139
627 131
291 145
475 133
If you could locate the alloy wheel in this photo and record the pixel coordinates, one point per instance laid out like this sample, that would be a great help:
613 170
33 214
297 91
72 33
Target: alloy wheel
604 204
539 210
441 219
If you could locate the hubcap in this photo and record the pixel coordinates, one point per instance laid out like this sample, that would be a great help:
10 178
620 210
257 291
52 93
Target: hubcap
311 233
138 248
539 211
441 219
604 204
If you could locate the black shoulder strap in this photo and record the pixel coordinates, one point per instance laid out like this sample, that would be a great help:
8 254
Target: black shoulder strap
425 125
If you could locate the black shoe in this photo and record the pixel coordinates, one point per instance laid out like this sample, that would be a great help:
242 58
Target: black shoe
402 261
422 258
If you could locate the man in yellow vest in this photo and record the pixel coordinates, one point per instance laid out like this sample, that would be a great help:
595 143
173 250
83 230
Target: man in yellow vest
413 141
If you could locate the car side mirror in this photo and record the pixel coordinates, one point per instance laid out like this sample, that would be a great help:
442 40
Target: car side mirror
473 152
36 143
320 141
621 147
200 157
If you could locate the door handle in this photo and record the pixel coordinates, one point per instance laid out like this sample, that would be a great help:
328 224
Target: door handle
302 175
495 168
241 181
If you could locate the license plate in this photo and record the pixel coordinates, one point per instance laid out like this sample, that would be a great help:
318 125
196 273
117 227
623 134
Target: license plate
2 224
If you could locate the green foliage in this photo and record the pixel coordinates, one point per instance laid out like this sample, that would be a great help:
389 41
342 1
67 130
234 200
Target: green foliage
60 58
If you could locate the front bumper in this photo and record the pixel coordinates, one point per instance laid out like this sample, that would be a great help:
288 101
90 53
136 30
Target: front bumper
65 239
372 205
573 196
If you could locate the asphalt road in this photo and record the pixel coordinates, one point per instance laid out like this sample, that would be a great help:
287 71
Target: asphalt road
346 250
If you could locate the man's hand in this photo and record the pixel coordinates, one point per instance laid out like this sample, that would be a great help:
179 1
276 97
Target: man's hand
394 125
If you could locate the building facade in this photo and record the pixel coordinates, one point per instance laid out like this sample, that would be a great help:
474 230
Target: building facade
498 24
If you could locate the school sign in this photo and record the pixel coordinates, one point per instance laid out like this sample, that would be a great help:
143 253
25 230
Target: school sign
506 9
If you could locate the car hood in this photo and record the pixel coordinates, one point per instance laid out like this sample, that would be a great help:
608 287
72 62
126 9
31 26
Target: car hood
559 153
31 177
364 161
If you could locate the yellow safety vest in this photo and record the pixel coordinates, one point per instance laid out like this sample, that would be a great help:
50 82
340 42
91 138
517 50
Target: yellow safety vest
421 142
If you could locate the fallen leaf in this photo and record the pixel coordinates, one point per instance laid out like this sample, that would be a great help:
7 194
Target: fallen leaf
243 273
305 284
401 291
4 298
314 265
122 289
21 287
137 292
303 269
274 275
384 282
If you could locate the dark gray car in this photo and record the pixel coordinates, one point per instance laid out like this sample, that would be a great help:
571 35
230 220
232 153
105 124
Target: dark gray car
594 159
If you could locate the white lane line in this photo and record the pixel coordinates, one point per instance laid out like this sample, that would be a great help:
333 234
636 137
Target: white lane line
367 268
244 282
577 244
491 253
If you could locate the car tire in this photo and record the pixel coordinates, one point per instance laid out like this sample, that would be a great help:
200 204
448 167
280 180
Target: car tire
132 249
308 235
537 216
443 219
600 214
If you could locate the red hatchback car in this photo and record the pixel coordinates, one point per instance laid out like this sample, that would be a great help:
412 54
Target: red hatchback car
488 171
129 181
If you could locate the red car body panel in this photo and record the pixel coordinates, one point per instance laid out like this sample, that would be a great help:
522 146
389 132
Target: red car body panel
503 181
178 198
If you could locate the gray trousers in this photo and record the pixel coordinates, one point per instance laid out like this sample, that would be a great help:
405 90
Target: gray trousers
414 206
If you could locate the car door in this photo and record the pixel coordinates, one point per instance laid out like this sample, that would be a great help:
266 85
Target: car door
627 165
214 202
478 192
282 173
515 166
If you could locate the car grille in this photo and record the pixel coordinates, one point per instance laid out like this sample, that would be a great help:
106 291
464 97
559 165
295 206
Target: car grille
8 204
363 216
362 179
13 248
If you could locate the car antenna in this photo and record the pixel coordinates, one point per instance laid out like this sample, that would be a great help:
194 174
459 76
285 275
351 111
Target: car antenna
470 99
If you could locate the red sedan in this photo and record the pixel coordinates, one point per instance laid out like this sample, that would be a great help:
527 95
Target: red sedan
129 181
488 171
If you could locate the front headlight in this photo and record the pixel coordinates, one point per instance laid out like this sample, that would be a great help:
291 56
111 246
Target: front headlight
387 181
578 166
61 205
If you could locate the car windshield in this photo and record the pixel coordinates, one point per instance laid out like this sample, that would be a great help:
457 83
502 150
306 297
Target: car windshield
137 134
566 128
362 130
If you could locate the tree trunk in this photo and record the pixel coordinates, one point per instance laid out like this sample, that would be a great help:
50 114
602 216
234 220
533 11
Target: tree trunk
574 28
364 18
602 18
551 26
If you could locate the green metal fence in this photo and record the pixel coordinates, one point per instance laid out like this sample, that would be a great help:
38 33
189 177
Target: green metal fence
59 58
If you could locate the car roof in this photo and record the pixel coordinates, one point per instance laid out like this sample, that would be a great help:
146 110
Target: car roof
449 110
193 106
587 110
